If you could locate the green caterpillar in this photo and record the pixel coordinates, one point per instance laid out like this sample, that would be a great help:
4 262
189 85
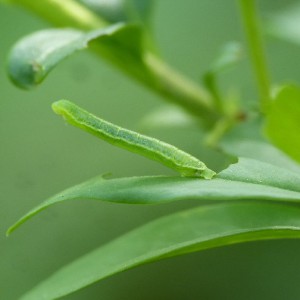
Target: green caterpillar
152 148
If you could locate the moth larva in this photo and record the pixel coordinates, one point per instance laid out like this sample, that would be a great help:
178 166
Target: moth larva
152 148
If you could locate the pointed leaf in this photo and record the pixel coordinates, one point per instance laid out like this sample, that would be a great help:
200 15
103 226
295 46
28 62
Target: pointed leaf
248 179
188 231
34 56
283 121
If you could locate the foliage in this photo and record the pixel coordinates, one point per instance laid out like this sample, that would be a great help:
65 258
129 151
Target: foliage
119 32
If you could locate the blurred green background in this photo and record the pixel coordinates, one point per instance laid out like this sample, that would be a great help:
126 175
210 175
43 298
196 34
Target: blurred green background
40 155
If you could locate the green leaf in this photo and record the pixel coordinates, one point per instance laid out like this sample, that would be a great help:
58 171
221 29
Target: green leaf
121 10
283 121
129 47
245 140
188 231
248 179
34 56
285 24
262 151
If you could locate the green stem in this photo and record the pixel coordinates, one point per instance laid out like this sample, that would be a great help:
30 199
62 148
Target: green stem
212 85
256 48
63 13
220 129
180 89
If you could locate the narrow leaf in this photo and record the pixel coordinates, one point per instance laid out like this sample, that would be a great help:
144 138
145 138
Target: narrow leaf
248 179
283 121
188 231
34 56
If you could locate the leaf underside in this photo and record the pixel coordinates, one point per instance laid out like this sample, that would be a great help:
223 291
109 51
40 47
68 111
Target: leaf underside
188 231
34 56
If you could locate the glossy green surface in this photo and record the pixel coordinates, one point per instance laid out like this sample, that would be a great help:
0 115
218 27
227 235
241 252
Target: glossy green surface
184 232
248 179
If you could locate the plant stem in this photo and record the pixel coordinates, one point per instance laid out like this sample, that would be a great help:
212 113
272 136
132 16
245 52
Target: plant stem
163 79
221 127
211 84
180 89
256 48
65 13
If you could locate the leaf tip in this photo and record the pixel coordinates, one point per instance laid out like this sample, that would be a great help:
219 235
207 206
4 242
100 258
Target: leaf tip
11 229
24 72
22 76
17 224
